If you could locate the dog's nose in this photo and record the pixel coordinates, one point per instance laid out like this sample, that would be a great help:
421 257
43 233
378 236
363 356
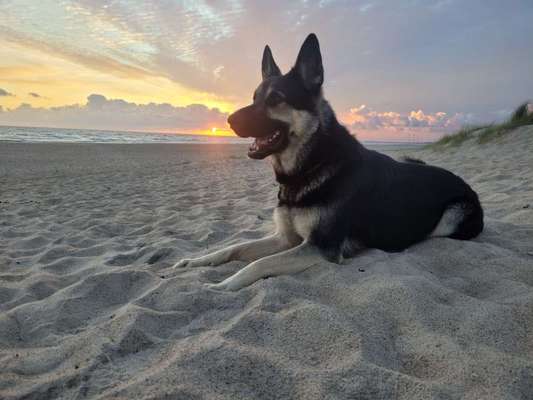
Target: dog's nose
241 120
231 120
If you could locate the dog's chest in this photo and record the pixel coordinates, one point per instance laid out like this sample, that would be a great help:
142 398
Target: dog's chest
299 221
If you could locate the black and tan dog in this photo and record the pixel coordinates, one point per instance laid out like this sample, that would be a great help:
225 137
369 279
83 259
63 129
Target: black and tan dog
335 196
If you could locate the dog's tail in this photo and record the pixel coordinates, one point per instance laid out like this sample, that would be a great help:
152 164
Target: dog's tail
472 223
412 160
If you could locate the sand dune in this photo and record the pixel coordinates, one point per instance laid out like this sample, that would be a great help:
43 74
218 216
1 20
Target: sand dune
91 308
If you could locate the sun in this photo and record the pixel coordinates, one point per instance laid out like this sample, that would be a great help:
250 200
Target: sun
214 131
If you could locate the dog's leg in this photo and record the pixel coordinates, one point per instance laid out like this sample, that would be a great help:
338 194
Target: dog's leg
248 251
290 261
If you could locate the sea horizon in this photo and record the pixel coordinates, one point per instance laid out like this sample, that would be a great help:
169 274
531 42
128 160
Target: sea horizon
24 134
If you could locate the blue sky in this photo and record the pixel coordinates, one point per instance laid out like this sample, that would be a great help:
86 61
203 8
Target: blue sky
391 67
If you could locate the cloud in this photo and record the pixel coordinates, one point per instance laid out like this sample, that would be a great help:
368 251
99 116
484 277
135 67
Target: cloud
117 114
36 95
5 93
363 117
366 7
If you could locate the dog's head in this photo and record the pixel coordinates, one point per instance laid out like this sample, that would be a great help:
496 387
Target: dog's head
284 111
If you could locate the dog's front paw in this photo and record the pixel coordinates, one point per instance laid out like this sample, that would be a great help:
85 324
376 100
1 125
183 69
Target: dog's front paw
217 286
227 285
195 262
183 263
231 284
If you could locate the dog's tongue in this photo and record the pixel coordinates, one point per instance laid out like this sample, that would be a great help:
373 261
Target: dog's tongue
267 140
262 141
263 146
259 143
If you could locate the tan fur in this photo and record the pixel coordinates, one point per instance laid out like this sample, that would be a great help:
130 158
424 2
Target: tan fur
449 221
302 125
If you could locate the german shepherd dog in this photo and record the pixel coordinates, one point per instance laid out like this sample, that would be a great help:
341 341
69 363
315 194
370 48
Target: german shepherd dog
335 196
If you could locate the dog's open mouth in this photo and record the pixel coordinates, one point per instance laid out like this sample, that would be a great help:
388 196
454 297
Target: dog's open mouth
266 145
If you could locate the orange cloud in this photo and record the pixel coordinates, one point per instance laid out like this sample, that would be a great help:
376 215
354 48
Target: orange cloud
363 117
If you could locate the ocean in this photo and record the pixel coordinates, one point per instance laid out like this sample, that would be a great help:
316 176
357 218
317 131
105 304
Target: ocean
40 135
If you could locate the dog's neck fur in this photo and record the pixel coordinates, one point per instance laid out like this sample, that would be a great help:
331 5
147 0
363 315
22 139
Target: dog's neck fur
327 150
292 160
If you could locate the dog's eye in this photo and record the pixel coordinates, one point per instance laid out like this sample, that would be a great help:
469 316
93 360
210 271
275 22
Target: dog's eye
274 99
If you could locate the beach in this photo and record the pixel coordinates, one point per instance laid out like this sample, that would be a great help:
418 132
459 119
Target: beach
91 308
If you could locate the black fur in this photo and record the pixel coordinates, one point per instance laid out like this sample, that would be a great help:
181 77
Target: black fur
269 67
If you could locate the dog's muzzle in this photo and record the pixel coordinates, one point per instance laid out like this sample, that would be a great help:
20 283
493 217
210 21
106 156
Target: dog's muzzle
270 134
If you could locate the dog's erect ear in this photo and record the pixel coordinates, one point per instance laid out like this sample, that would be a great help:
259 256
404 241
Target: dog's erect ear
309 64
268 65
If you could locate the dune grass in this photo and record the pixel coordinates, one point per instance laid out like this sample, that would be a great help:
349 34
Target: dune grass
486 133
458 137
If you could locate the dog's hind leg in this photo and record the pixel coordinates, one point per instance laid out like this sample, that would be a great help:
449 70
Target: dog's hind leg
248 251
290 261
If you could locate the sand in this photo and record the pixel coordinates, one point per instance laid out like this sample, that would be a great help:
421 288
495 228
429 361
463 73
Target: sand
91 308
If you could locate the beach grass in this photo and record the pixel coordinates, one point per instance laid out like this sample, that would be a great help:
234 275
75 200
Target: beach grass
485 133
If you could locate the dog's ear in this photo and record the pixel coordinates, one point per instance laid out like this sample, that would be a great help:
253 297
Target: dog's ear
309 64
268 65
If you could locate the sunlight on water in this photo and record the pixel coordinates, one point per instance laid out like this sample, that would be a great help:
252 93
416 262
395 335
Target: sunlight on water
32 135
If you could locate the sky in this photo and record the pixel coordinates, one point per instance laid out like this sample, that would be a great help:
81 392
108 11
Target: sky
394 70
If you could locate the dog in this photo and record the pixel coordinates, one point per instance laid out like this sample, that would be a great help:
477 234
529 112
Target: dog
335 197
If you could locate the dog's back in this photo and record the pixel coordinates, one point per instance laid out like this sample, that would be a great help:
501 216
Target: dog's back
397 204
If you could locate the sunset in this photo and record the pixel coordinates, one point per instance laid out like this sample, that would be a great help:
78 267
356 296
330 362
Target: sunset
266 200
387 79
